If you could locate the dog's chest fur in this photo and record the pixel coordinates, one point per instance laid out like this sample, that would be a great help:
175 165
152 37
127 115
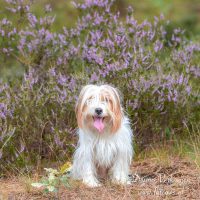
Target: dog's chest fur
105 151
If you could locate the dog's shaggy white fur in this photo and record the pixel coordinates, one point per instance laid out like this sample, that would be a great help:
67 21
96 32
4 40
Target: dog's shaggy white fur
105 137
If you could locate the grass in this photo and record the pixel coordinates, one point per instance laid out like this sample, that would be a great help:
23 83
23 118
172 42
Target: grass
194 146
186 146
26 182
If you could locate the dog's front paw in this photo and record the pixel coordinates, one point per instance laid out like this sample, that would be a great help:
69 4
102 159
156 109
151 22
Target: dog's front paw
91 182
121 179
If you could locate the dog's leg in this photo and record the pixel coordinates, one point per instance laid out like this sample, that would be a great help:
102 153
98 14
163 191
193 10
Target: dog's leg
91 181
83 168
120 170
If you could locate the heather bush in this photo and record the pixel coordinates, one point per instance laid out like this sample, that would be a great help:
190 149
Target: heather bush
158 73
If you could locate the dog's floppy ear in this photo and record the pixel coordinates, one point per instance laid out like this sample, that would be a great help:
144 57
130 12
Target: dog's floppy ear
80 104
118 112
78 113
116 108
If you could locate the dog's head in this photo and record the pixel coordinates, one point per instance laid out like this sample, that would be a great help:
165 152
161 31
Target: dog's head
99 108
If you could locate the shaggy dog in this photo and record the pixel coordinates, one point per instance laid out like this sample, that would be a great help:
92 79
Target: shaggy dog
105 137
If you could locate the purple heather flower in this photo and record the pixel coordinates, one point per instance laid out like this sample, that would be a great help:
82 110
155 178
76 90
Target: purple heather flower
62 96
2 32
5 21
58 141
62 39
95 36
188 90
90 3
162 17
31 78
108 43
158 46
7 51
62 79
177 31
3 110
130 10
13 10
47 20
59 61
27 8
52 72
72 84
180 80
11 33
119 39
92 55
195 71
94 77
32 19
176 38
48 36
98 19
48 8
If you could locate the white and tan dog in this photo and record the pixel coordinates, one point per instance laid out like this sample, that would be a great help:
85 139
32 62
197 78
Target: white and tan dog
105 137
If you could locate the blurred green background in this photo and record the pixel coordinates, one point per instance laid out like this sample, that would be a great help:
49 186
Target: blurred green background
181 13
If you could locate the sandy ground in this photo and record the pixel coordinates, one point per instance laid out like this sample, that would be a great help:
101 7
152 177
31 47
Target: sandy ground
179 180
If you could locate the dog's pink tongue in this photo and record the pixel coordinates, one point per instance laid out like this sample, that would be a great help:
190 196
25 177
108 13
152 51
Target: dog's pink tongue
98 124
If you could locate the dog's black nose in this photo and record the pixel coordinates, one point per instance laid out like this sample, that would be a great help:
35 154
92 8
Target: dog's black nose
98 111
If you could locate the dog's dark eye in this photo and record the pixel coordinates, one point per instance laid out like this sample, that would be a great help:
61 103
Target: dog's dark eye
90 100
108 100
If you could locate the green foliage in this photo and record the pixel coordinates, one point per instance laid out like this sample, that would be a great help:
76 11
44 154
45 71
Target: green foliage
53 181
